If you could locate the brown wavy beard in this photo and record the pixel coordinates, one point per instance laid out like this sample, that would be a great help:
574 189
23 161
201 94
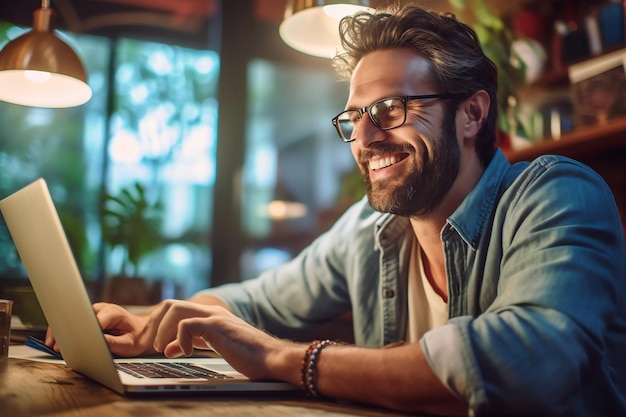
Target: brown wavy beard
419 192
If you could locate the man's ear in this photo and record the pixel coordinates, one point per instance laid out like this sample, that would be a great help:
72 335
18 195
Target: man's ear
474 111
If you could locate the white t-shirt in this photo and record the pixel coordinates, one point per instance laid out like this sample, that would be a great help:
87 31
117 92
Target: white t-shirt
427 309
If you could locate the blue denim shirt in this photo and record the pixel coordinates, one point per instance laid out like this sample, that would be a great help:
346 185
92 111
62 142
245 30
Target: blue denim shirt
536 283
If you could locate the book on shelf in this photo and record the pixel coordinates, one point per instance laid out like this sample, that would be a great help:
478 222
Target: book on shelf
599 88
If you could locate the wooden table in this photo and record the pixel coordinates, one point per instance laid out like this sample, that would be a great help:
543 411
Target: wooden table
30 389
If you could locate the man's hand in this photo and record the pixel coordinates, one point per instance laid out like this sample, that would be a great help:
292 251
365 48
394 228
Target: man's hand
134 335
127 334
124 332
185 326
130 334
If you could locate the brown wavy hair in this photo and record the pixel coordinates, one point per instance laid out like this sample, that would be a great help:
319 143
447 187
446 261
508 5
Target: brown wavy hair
458 63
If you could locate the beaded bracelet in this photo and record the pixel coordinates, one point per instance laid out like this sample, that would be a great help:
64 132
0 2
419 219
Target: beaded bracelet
309 365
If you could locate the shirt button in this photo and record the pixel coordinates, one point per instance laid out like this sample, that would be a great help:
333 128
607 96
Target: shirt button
389 293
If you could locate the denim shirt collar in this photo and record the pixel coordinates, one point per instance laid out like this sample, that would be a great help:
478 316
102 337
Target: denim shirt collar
471 218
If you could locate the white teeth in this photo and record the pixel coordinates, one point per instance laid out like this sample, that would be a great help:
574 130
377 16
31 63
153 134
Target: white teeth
383 162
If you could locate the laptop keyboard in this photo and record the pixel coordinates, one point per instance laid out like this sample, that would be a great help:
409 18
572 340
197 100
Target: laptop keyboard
168 370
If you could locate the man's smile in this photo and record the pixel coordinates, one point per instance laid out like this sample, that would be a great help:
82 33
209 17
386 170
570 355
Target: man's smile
380 162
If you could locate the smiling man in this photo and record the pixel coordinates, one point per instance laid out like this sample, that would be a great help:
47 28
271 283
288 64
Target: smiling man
408 178
475 286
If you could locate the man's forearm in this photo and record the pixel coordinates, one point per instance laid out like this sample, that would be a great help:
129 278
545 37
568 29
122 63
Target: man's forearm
398 378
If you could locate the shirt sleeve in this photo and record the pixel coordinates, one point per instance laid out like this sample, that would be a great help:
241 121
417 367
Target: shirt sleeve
307 292
551 304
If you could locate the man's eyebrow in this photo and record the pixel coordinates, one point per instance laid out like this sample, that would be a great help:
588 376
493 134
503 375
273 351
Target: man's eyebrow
386 96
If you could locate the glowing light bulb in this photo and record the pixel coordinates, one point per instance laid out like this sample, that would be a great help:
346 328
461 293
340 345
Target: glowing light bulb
338 11
37 76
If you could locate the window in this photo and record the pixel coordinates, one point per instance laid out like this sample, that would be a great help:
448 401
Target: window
160 134
163 136
152 121
294 161
64 146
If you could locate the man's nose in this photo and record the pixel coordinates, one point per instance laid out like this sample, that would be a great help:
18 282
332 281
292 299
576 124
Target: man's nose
366 132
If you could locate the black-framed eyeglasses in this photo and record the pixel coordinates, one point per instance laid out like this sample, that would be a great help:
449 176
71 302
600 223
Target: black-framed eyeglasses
387 113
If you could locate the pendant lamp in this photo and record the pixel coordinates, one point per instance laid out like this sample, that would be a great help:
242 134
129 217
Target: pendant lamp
38 69
312 26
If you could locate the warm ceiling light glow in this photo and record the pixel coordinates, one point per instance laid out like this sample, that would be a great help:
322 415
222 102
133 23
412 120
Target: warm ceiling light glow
42 89
337 11
39 69
37 76
312 26
283 210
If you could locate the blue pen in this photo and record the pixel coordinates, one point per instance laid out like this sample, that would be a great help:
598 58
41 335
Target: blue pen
41 346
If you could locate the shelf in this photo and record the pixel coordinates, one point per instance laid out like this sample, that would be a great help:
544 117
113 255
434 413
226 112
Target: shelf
581 144
560 77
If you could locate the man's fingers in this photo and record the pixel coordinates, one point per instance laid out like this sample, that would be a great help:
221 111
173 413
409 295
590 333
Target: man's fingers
107 319
119 345
110 316
173 350
182 345
191 333
169 319
49 339
165 324
178 312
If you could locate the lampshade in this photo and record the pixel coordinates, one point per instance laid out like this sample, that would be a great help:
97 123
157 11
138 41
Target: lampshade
39 69
312 26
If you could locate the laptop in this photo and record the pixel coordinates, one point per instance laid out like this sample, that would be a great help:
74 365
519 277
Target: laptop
34 225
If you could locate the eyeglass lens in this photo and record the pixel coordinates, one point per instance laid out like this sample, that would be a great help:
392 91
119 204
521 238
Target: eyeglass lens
385 114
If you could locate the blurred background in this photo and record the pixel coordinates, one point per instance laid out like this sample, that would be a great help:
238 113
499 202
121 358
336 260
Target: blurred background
206 153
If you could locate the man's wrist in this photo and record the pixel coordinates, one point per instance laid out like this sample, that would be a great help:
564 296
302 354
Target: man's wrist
286 363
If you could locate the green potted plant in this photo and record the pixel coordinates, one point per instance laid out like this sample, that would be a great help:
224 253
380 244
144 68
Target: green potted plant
131 223
496 39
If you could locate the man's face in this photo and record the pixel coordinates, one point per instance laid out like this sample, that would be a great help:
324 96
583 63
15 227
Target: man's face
408 170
